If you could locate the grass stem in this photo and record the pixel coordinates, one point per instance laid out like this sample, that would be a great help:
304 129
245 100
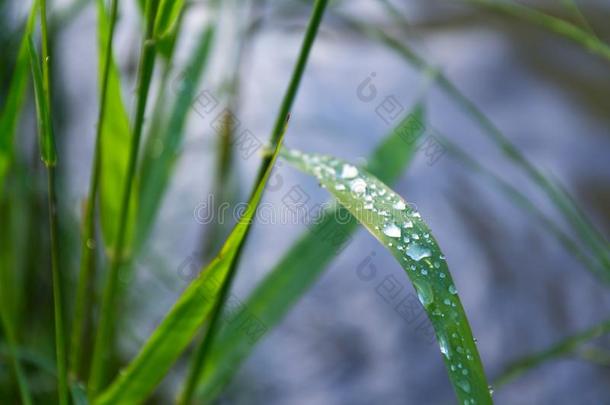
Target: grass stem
49 156
278 130
109 299
88 241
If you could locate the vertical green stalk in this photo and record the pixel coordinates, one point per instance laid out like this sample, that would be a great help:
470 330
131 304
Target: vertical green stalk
88 242
279 128
57 295
108 307
48 153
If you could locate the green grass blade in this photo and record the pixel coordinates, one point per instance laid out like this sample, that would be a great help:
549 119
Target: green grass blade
571 6
277 134
162 147
564 347
120 250
301 266
48 155
553 24
168 18
402 231
115 141
186 317
11 111
88 239
46 139
523 201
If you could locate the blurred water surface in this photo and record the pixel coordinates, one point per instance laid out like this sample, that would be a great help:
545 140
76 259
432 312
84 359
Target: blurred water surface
344 343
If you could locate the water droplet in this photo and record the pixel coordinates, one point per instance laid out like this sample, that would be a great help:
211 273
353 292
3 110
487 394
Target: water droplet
408 224
90 243
444 345
452 290
392 231
349 171
417 252
465 385
424 292
399 205
358 186
491 390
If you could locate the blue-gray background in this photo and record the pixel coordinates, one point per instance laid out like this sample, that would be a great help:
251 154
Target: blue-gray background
343 343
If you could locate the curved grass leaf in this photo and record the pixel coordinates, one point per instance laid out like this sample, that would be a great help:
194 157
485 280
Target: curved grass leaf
301 266
185 318
564 347
402 231
115 143
553 24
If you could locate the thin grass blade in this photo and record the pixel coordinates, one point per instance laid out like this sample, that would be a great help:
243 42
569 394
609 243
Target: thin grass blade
277 134
88 239
564 28
120 252
524 202
183 321
115 143
564 203
48 155
560 349
301 266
